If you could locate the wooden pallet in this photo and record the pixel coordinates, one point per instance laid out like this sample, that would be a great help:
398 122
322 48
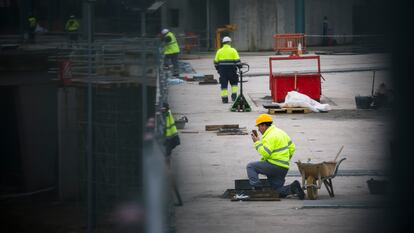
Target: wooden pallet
288 110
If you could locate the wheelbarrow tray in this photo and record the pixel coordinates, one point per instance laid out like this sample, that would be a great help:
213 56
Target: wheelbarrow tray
314 174
324 169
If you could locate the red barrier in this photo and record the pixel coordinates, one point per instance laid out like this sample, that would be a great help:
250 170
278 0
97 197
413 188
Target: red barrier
65 71
306 83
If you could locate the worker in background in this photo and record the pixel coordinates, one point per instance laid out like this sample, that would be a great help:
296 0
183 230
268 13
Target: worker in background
325 31
32 24
171 135
171 50
276 150
72 27
171 141
226 62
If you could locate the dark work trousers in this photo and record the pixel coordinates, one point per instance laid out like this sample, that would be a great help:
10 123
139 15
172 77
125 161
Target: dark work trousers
275 175
172 59
228 74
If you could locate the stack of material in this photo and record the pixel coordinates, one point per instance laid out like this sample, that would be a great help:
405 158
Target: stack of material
227 129
208 79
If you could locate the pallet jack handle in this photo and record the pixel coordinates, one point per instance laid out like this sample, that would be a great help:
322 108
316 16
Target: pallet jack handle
244 66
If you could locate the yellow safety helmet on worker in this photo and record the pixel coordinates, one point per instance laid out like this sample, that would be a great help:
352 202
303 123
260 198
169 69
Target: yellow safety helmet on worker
263 118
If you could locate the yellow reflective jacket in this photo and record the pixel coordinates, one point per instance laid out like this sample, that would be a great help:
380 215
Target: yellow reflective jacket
171 135
275 147
171 46
227 55
72 25
32 22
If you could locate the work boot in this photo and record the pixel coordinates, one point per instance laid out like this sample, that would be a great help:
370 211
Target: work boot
233 96
297 189
225 100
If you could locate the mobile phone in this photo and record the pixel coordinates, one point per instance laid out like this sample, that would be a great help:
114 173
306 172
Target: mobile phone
255 132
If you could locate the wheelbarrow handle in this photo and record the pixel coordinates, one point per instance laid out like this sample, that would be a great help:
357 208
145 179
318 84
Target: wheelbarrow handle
337 166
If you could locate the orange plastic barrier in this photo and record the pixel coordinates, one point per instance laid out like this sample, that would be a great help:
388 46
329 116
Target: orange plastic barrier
289 42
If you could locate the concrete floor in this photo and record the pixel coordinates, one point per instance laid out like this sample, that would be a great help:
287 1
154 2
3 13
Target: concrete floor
206 165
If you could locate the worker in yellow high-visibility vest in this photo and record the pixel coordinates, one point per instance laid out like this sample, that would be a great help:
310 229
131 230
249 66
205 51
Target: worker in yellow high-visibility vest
226 62
171 50
276 149
72 27
171 135
31 25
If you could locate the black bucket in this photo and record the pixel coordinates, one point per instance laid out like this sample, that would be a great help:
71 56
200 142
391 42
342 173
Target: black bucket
377 186
363 102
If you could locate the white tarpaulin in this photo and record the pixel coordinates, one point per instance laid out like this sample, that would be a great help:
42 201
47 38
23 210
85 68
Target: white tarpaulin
295 99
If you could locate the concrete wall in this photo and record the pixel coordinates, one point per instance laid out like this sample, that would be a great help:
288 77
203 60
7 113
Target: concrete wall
256 23
339 15
258 20
193 18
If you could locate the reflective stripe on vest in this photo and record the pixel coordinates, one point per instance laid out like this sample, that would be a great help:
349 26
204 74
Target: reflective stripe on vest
280 161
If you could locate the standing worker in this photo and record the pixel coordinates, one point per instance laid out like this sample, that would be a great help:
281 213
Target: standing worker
325 31
171 50
276 149
72 27
226 62
31 23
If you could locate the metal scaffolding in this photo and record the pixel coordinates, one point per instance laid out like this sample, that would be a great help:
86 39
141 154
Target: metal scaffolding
127 84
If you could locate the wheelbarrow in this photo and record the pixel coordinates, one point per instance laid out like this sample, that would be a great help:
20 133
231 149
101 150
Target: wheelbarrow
314 174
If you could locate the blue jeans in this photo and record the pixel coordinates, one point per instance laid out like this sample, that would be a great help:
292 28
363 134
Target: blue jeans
275 175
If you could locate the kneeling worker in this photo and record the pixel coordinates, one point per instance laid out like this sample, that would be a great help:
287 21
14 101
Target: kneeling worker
276 149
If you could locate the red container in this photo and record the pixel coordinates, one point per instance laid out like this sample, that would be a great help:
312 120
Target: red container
308 83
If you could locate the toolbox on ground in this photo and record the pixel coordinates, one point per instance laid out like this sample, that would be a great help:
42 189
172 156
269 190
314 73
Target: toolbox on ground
302 80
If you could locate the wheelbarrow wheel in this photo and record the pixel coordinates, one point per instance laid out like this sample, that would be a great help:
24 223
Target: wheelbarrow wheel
311 189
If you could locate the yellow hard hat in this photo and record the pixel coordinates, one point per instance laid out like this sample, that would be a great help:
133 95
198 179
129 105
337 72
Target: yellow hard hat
263 118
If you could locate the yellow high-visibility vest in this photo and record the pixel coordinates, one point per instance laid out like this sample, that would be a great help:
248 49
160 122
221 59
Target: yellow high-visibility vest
72 25
172 46
32 21
227 56
275 147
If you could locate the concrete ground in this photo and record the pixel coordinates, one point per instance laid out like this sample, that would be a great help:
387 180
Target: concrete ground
206 165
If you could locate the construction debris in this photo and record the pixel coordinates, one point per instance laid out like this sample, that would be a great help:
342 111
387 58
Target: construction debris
217 127
239 131
208 79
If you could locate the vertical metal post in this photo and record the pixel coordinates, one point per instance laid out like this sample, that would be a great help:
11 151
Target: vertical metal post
208 24
89 151
300 16
144 89
143 23
373 83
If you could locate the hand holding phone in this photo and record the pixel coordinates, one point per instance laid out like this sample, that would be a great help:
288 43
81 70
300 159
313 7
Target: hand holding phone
255 132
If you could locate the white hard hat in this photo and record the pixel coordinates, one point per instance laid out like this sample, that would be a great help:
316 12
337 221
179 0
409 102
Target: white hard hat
226 39
164 31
